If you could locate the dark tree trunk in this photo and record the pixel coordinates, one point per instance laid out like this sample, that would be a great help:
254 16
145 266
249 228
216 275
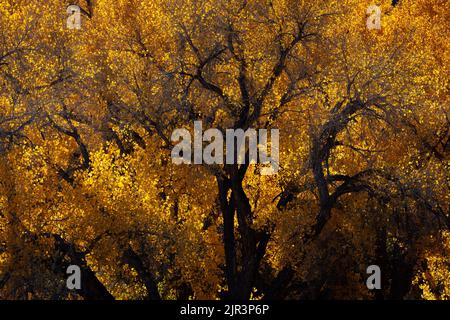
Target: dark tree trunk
91 287
133 259
242 255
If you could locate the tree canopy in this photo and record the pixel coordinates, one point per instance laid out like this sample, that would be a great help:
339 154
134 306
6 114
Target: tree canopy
87 179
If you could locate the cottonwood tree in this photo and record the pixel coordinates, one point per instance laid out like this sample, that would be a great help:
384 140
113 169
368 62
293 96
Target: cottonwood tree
87 177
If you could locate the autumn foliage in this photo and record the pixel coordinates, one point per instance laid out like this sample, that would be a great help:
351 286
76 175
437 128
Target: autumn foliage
87 179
